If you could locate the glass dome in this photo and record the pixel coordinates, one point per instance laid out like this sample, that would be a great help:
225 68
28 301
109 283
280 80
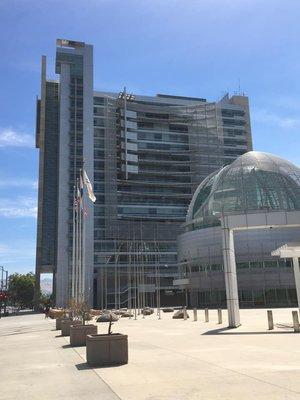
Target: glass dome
253 182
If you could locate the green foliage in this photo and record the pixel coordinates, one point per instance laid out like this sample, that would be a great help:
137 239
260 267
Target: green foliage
21 289
81 310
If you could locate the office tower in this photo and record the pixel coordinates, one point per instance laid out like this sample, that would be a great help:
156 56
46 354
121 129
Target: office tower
145 156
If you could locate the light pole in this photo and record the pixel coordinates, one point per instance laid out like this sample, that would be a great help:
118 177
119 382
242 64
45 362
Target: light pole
3 286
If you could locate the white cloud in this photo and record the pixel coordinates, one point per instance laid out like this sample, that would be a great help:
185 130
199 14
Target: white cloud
265 117
16 182
19 207
12 138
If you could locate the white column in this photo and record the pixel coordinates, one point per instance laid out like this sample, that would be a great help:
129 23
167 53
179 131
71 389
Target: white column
62 273
297 278
230 277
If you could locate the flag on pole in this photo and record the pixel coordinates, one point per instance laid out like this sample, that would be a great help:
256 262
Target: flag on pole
80 190
89 187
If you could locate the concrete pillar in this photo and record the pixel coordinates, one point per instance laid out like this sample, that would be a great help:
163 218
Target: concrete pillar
219 316
206 315
195 314
270 319
230 277
297 278
296 321
184 313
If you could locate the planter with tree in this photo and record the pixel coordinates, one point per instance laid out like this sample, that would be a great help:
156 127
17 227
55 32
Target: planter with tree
79 332
107 349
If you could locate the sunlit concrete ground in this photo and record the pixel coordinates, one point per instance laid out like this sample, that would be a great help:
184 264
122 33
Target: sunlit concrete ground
168 359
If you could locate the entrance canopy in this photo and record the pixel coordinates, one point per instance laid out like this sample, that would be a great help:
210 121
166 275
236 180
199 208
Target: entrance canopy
289 250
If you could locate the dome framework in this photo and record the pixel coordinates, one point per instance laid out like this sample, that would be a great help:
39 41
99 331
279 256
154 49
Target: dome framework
255 182
257 192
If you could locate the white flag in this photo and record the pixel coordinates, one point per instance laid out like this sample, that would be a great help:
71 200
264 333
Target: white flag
89 187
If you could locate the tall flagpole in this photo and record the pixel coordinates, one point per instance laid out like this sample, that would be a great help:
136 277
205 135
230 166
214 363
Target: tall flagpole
77 246
83 240
73 247
80 246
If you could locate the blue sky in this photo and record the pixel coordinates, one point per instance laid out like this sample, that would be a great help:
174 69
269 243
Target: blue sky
198 48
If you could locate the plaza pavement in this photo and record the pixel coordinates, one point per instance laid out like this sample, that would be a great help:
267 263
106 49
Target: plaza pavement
168 360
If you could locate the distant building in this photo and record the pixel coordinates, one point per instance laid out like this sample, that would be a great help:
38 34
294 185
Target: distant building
145 156
259 186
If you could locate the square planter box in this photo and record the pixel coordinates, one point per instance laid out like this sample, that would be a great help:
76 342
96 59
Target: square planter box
58 323
78 334
103 350
65 326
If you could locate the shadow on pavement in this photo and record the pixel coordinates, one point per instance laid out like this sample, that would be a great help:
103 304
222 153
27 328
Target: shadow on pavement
84 366
233 331
67 346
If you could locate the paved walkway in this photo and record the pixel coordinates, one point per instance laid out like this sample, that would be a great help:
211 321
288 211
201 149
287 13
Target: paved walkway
168 360
35 365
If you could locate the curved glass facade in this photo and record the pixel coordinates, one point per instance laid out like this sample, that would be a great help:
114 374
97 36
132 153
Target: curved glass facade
253 182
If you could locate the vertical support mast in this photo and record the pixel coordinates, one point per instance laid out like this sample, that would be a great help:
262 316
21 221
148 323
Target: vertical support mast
73 247
83 240
77 248
80 250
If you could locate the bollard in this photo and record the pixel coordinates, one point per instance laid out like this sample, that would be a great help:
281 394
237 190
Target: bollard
296 321
270 319
219 316
206 315
184 313
195 314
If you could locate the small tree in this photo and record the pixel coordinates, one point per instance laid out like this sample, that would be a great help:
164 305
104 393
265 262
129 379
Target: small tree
81 310
21 289
84 312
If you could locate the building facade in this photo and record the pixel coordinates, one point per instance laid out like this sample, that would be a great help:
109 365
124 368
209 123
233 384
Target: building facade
256 186
145 156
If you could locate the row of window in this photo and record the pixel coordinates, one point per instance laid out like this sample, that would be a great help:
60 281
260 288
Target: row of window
150 259
227 121
248 297
163 146
162 137
242 265
176 211
153 178
232 113
106 246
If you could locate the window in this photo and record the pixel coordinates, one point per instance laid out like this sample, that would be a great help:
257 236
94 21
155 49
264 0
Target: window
256 264
99 122
271 264
242 265
99 101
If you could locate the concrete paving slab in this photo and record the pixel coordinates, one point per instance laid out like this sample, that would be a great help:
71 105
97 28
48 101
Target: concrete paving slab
168 360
